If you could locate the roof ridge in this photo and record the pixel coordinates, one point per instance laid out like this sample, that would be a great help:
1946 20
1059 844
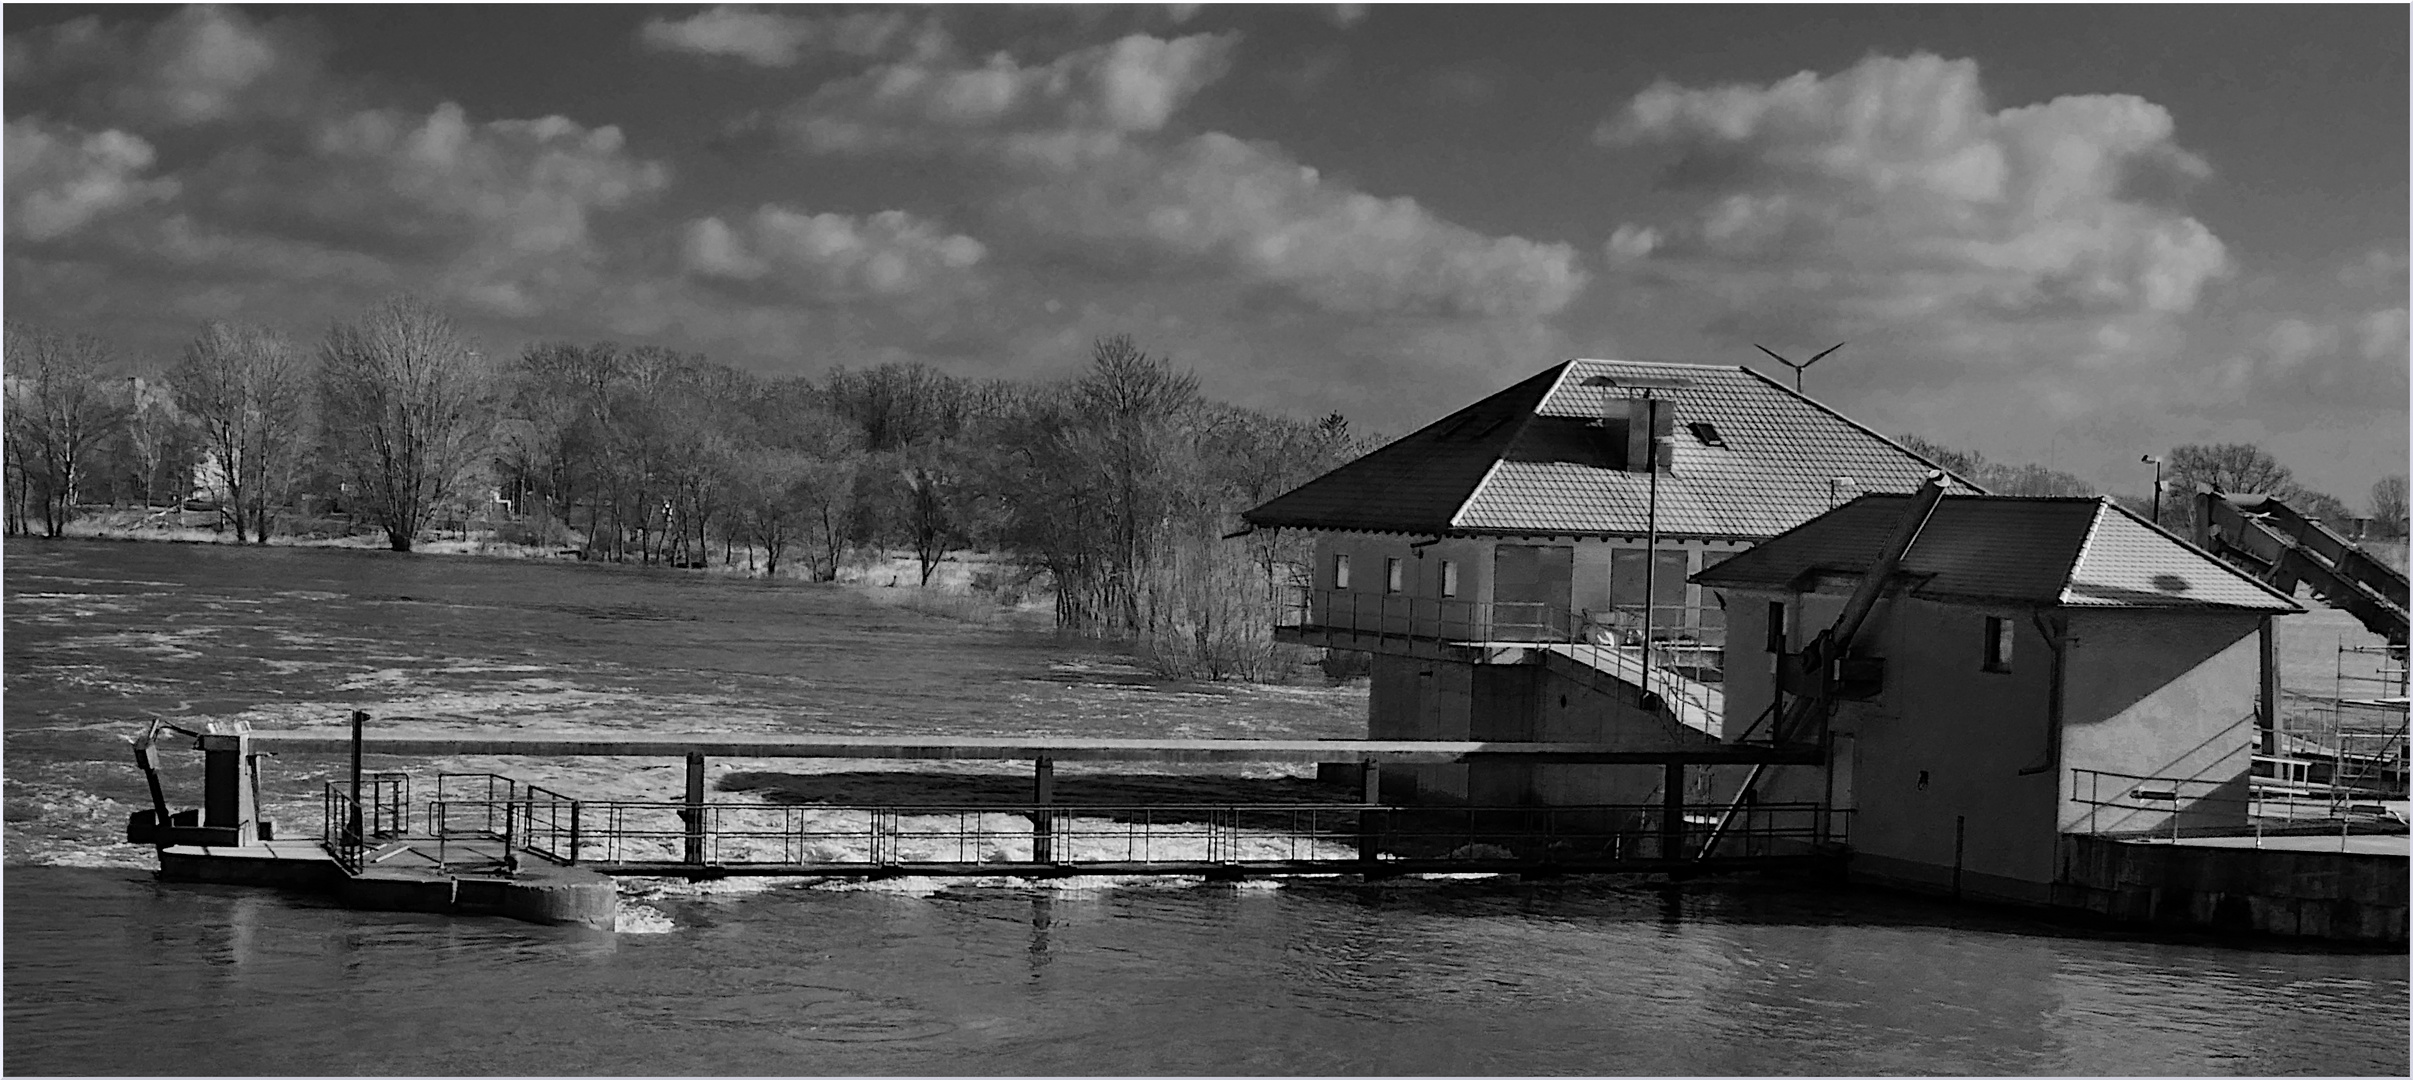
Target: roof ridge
1864 428
1475 492
2069 574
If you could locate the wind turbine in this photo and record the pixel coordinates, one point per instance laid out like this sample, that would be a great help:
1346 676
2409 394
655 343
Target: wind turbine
1797 368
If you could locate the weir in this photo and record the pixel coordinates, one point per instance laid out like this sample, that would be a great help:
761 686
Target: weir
493 836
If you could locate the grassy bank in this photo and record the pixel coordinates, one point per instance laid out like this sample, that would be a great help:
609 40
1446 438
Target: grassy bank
966 586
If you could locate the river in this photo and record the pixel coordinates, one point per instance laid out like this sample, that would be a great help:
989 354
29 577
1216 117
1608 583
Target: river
108 971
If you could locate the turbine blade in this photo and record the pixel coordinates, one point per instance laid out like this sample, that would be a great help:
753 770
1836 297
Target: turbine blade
1823 355
1772 353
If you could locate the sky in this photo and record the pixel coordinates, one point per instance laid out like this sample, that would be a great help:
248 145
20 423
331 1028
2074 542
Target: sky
2066 234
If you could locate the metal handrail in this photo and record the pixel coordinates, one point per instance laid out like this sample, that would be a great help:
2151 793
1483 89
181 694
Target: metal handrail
1405 616
2158 806
740 835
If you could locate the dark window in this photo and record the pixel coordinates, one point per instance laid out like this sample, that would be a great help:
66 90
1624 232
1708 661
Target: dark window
1998 643
1706 432
1776 626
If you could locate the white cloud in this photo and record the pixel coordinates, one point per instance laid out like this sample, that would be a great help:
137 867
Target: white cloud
1894 191
786 38
1255 211
198 65
60 179
1131 85
1090 166
832 256
525 186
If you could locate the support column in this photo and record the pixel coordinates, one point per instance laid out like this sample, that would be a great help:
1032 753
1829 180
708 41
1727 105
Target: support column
694 814
1369 822
1671 814
354 832
2266 709
1043 801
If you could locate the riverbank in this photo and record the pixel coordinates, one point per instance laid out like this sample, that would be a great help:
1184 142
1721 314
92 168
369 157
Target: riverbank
965 585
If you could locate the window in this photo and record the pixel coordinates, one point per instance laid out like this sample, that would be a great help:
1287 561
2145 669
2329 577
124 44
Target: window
1776 626
1340 571
1998 643
1449 577
1393 576
1706 432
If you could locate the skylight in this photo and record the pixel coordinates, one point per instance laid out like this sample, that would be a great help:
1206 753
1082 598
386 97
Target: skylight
1707 433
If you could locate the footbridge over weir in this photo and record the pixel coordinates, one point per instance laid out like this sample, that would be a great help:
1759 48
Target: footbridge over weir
373 815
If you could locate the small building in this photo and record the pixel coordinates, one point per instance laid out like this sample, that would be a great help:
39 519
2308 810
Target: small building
1498 563
2036 668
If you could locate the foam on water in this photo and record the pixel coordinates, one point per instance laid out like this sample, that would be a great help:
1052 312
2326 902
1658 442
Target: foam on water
634 918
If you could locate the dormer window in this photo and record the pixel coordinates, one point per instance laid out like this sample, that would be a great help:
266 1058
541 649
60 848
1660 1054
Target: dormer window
1706 432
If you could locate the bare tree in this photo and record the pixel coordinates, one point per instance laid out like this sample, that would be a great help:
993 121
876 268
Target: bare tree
407 410
154 431
2388 505
2239 468
60 405
242 386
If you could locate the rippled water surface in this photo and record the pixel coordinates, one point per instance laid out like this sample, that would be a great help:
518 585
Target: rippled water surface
107 971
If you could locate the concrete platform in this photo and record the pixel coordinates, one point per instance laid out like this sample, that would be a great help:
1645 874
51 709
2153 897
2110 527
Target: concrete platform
406 875
2399 845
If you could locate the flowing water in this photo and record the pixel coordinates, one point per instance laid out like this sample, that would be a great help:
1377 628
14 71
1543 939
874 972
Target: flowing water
109 971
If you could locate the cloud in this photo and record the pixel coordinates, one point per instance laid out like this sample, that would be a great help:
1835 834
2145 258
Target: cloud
1089 96
786 38
1253 211
199 65
831 256
1894 193
1091 169
60 178
526 186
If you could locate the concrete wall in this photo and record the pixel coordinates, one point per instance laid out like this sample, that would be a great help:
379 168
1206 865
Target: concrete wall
1933 765
2143 692
1413 698
2326 895
2160 694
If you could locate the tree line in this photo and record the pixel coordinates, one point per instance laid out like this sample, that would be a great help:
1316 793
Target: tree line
1110 489
2230 467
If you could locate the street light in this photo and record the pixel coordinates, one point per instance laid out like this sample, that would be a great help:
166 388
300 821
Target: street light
2156 462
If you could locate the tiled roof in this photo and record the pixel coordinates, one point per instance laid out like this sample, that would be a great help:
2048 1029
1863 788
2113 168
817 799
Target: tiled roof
2053 552
1532 459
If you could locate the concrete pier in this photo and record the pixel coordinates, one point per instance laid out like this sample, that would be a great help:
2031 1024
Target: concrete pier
398 876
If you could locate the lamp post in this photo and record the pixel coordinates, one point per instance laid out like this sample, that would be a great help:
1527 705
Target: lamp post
1835 486
1644 388
2155 461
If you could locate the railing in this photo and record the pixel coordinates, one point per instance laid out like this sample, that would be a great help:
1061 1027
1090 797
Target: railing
1697 649
384 812
2130 805
655 836
520 817
337 829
